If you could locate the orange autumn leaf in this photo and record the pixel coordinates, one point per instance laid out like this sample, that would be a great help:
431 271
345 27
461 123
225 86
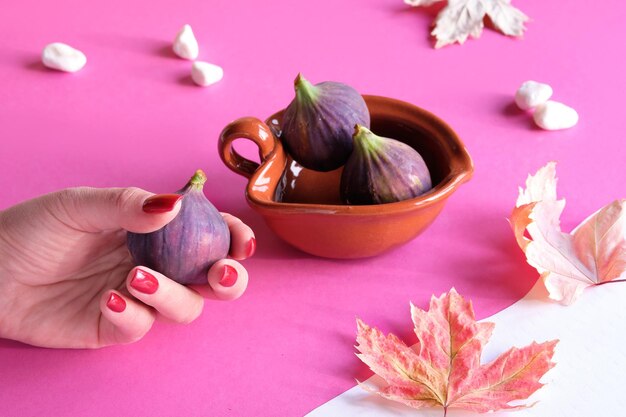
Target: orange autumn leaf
594 253
444 369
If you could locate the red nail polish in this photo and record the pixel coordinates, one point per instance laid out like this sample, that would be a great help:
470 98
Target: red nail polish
161 203
144 282
116 303
229 276
251 247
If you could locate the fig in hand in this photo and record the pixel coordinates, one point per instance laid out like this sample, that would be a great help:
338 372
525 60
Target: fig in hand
318 124
186 247
382 170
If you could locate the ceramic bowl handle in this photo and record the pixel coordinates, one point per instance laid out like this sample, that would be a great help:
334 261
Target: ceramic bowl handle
249 128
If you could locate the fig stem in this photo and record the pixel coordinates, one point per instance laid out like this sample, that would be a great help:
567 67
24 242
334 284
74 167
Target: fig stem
365 140
198 179
305 91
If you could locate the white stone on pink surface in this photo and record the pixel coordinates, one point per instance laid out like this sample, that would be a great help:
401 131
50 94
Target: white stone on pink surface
185 44
204 74
62 57
553 115
531 94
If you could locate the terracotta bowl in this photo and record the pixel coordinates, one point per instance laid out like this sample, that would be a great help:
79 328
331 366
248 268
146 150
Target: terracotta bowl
303 207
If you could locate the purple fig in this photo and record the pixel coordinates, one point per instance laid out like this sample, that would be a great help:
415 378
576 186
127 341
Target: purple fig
318 123
382 170
187 246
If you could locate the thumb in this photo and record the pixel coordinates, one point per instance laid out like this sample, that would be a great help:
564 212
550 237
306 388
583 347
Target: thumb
99 209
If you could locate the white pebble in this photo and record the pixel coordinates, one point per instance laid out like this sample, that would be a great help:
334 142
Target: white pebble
531 94
203 73
62 57
553 115
185 44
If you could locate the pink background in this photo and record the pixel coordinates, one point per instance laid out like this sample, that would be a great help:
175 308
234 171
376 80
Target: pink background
132 117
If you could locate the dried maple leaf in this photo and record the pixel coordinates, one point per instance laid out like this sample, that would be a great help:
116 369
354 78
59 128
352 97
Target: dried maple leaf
463 18
443 369
594 253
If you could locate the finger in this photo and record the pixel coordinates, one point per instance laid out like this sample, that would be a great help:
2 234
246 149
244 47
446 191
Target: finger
228 280
242 240
99 209
123 320
169 298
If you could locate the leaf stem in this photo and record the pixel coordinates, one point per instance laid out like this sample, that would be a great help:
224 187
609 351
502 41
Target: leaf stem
612 281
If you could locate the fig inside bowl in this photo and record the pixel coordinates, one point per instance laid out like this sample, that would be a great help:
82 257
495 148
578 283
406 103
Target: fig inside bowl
303 207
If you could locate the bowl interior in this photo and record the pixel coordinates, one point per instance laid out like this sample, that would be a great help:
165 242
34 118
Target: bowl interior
432 138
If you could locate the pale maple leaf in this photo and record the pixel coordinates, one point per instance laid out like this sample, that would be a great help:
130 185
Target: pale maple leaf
594 253
443 368
460 19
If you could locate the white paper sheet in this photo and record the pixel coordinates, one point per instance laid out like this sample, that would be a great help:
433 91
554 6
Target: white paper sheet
589 378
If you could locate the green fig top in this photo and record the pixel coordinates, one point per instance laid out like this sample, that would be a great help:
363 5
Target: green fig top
318 123
305 91
382 170
197 180
366 141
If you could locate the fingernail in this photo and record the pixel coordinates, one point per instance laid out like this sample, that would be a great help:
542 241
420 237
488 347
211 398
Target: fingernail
229 276
161 203
251 247
116 303
144 282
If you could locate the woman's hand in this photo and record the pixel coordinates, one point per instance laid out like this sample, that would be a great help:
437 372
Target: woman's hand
67 278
